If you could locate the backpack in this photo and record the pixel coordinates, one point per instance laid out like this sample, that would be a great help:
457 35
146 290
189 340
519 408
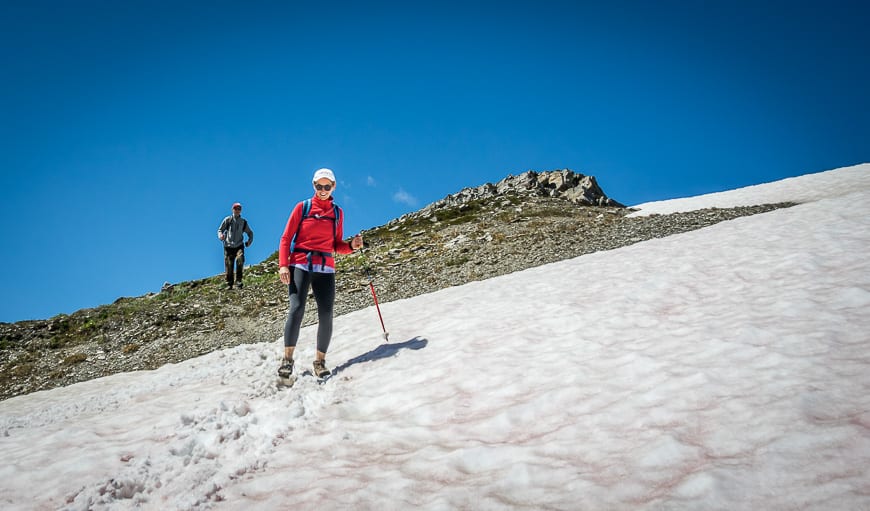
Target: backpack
306 210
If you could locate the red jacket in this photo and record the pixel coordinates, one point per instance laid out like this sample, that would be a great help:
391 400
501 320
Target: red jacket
319 232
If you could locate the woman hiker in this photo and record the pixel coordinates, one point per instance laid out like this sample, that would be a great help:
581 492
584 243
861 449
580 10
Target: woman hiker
305 258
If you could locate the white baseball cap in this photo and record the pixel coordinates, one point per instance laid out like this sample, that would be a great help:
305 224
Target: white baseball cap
323 173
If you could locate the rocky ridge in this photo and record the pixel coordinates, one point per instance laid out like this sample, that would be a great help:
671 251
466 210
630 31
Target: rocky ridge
478 233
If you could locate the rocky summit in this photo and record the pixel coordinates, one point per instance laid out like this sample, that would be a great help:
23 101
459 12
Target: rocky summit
564 184
520 222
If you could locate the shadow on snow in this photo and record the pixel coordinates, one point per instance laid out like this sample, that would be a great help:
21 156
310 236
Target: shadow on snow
383 351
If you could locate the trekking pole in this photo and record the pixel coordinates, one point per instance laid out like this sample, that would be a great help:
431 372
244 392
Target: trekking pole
375 297
368 271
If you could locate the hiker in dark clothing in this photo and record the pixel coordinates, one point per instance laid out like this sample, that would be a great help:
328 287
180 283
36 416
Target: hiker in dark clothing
231 232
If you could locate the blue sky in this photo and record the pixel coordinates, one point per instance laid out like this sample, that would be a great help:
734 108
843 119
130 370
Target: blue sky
129 128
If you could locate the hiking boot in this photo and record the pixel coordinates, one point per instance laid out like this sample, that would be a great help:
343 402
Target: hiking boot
239 284
229 286
286 368
320 369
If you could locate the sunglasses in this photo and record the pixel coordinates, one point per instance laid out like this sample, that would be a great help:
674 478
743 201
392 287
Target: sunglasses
323 187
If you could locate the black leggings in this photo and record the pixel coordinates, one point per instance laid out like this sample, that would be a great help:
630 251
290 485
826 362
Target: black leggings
323 285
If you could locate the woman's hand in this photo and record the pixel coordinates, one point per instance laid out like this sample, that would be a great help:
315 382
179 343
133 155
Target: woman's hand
357 242
284 274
